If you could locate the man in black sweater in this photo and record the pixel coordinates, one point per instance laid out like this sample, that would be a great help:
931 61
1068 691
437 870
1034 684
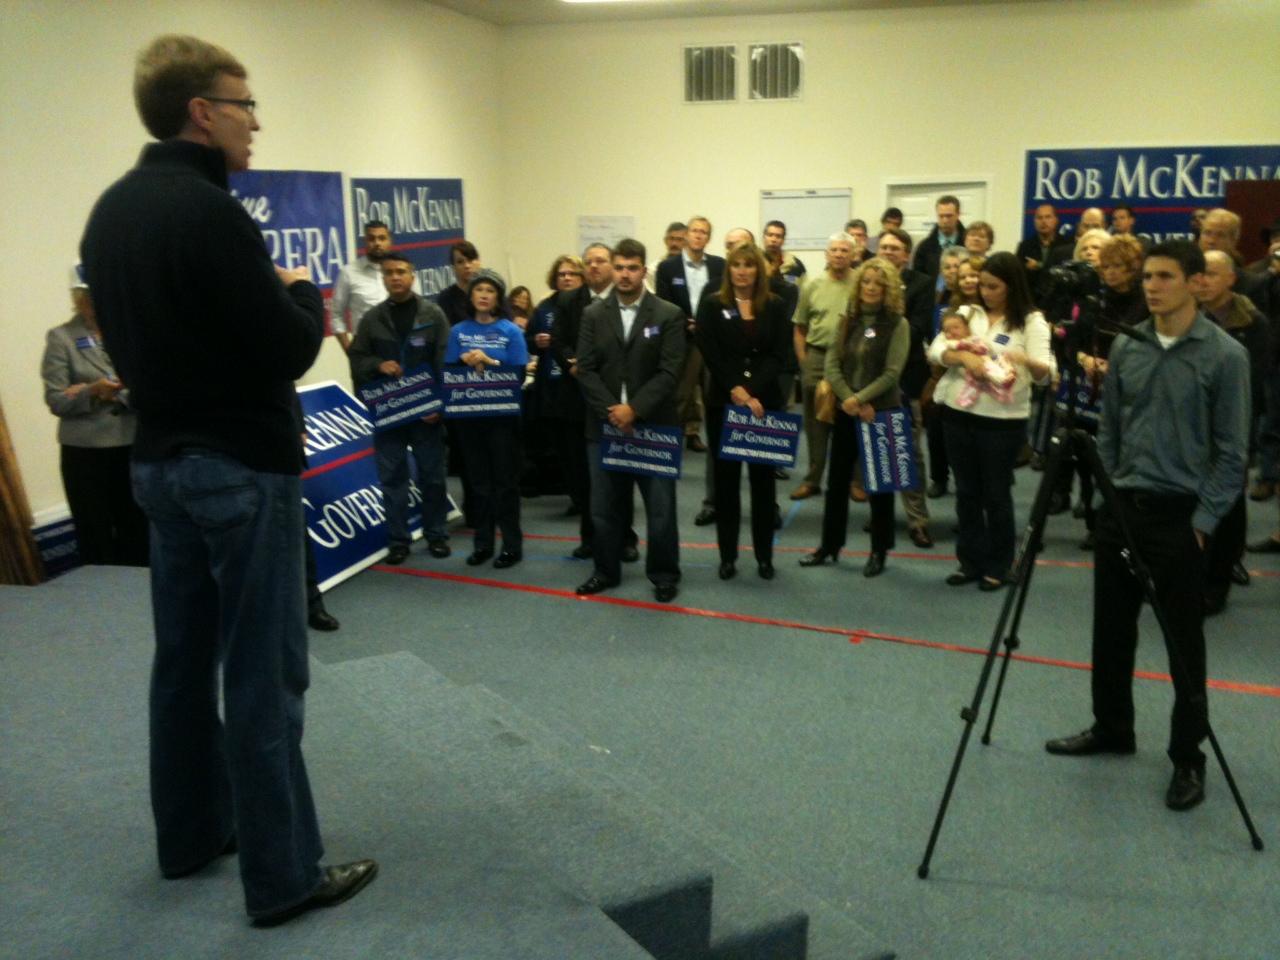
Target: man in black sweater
209 336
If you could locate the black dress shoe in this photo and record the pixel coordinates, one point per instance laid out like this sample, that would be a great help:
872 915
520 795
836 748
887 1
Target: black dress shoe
921 537
582 551
936 490
1186 789
875 564
594 584
818 558
439 548
630 553
1268 545
1059 503
226 850
1088 742
781 474
987 585
507 558
665 592
728 570
765 570
1239 575
396 555
960 578
318 618
694 443
338 885
706 516
479 557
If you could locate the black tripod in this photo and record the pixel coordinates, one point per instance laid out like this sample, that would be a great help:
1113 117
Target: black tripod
1066 439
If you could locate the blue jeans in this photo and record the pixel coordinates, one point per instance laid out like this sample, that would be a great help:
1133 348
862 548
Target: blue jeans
611 513
227 590
391 456
982 451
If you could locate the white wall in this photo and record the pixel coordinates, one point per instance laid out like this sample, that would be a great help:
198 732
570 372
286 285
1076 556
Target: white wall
368 87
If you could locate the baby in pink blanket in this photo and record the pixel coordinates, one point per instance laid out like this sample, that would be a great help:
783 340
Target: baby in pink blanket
998 373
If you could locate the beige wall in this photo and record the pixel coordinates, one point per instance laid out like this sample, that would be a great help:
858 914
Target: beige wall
545 124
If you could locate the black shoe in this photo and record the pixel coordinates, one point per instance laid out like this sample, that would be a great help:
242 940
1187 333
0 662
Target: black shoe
1087 542
1186 789
665 592
1059 503
507 558
780 474
921 537
728 570
765 570
937 490
694 443
1025 455
630 553
479 557
987 585
318 618
396 555
705 517
338 885
227 850
1088 742
1267 545
1239 575
875 564
582 551
439 548
818 558
960 578
595 584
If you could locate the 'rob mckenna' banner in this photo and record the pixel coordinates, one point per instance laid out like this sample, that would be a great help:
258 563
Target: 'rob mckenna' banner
1088 402
772 439
651 451
301 217
494 393
888 453
1162 184
425 217
397 400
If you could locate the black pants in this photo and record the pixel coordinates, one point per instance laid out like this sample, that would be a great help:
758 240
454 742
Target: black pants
728 498
491 449
570 444
835 508
1225 549
110 527
1161 526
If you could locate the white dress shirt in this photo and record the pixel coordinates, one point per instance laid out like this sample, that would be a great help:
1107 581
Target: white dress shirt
358 289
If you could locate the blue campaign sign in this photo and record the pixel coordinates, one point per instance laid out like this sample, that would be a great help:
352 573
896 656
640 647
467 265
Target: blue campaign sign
888 453
650 451
1162 184
340 490
772 439
397 400
495 393
301 216
1088 399
56 541
425 218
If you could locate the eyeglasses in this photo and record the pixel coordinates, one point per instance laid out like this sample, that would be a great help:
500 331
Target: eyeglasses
248 105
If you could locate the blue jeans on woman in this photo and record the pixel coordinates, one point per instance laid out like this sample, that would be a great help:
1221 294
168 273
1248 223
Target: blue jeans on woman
227 591
982 452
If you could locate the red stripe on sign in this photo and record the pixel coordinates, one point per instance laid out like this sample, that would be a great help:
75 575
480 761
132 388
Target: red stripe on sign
316 471
420 245
853 636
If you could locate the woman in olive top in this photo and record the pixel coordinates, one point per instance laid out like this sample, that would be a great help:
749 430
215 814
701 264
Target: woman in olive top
744 333
863 367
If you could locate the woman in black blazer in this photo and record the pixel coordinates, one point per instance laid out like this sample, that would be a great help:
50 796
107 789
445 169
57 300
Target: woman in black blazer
744 334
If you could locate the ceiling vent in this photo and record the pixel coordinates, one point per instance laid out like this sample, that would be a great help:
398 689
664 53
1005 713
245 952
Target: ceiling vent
776 71
710 74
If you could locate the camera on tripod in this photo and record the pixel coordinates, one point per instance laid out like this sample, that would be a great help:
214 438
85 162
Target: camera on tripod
1072 291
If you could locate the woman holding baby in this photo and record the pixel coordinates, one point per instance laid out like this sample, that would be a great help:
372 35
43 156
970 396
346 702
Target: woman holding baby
993 355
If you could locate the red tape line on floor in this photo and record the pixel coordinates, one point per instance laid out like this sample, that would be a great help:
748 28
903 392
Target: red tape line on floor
854 636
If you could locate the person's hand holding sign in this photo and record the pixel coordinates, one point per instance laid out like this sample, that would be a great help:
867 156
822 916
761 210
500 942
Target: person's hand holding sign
390 368
623 417
740 397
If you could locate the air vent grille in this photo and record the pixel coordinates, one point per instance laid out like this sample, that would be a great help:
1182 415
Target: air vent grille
710 74
776 71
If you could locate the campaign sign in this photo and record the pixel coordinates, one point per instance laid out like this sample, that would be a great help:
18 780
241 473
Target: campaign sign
397 400
772 439
301 217
494 393
341 495
55 538
650 451
1088 399
425 218
888 453
1162 184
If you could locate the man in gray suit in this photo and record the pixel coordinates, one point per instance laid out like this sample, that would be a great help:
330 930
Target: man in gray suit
631 350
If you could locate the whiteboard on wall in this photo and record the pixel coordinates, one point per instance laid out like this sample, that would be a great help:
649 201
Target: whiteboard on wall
606 230
811 216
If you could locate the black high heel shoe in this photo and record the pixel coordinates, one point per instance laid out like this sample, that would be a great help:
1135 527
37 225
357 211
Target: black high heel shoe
819 557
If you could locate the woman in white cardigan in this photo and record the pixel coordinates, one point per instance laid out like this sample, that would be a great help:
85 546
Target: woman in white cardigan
984 434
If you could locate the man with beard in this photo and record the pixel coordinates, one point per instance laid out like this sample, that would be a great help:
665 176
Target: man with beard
359 288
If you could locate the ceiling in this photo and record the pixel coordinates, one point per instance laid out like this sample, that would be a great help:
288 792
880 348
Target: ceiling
509 13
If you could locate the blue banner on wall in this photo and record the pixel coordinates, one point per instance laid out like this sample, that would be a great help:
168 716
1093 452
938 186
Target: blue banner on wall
650 451
425 218
888 453
301 217
772 439
394 401
1162 184
494 393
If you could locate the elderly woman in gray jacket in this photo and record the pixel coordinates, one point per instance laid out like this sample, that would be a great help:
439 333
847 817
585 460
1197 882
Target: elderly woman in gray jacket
95 430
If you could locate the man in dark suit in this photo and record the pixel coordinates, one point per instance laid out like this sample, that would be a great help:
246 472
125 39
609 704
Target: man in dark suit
631 349
1047 249
681 280
947 232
